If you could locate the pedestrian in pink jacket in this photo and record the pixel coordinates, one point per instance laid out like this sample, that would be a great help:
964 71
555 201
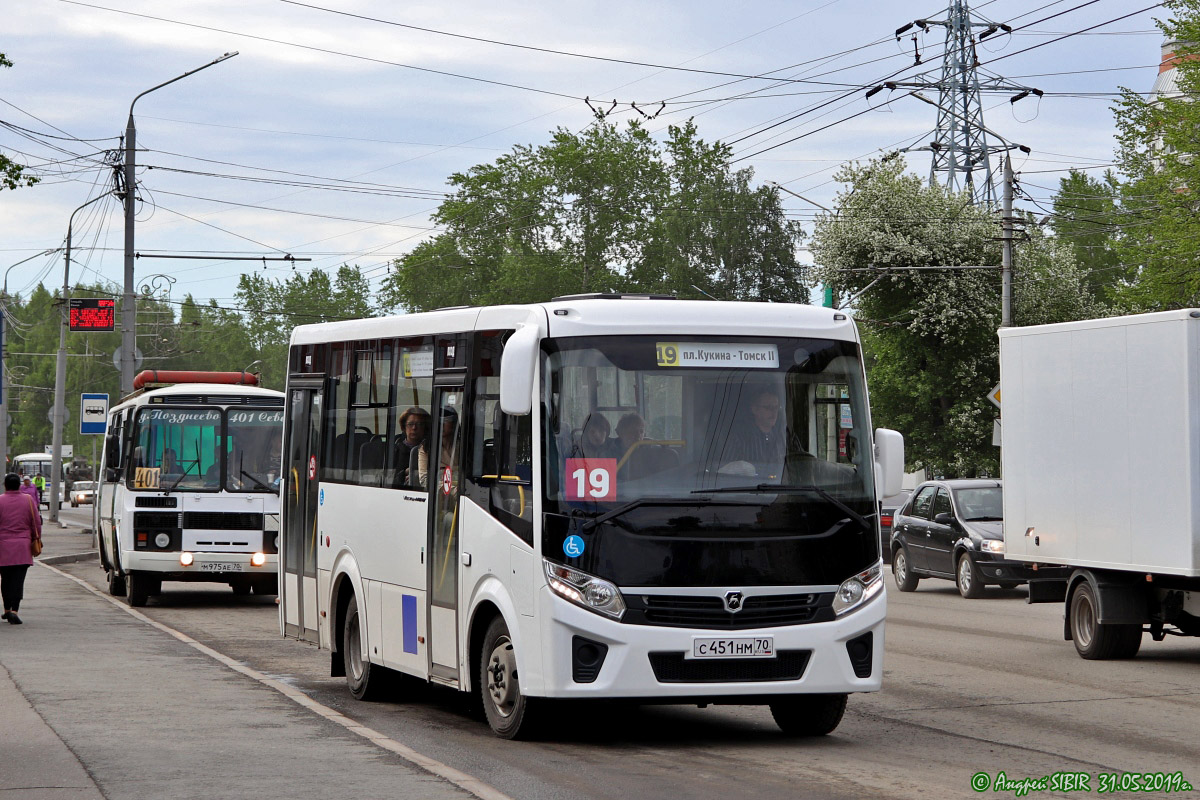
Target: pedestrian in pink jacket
20 524
28 488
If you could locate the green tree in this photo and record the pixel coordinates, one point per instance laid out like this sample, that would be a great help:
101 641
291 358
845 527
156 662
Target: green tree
12 174
1087 217
931 333
603 210
1158 141
272 307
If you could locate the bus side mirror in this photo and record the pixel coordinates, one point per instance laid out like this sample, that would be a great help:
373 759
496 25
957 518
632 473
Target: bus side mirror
517 366
889 461
112 475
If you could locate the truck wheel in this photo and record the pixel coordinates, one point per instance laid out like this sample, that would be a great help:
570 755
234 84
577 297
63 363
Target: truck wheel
808 714
1097 642
510 713
139 588
970 582
906 581
364 678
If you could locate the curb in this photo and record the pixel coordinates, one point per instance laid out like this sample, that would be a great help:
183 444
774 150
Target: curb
71 558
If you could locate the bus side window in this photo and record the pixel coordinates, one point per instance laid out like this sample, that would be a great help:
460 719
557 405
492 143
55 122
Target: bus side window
502 445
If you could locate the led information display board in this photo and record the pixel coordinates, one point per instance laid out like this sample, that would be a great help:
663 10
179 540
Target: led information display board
92 314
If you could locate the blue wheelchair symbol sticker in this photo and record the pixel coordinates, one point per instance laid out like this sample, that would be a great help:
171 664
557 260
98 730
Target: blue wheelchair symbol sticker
573 546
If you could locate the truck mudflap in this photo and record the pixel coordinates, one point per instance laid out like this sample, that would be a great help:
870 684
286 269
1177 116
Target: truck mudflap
1043 590
1121 598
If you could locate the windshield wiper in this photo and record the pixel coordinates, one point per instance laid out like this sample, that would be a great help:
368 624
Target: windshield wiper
638 503
782 488
260 482
177 481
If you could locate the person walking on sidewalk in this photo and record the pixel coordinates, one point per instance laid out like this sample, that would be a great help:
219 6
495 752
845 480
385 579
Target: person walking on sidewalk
20 524
28 488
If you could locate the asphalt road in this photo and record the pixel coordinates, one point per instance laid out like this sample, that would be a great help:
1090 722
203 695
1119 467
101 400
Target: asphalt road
970 686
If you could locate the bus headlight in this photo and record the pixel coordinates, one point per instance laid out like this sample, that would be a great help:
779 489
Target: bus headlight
258 559
858 591
186 559
162 540
584 590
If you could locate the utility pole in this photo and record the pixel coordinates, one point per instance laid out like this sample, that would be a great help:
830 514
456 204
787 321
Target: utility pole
128 307
58 413
4 404
1006 257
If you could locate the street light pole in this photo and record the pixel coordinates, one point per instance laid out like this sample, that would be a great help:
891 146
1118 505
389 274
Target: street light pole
128 309
58 413
3 349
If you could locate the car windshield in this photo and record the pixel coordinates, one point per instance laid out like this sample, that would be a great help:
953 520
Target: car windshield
986 503
709 438
83 485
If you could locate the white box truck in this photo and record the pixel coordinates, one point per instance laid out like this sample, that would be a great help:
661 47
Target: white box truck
1100 452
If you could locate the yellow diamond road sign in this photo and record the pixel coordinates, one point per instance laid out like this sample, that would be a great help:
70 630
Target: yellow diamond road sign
994 395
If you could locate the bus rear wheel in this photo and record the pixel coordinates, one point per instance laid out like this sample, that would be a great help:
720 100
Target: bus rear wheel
808 714
509 712
364 678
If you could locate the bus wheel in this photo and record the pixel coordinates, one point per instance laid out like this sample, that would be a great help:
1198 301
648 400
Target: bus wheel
139 588
808 714
1097 642
364 678
510 713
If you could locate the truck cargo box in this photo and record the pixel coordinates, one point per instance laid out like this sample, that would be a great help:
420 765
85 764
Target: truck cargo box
1101 443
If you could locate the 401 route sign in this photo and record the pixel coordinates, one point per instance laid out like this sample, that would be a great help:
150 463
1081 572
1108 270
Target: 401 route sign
92 314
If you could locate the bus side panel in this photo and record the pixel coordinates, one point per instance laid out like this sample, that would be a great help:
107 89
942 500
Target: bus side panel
385 529
404 630
505 579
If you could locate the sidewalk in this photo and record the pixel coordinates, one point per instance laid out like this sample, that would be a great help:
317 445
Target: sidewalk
95 703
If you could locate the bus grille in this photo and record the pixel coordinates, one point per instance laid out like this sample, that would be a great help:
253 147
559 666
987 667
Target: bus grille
156 502
221 521
155 520
758 611
788 665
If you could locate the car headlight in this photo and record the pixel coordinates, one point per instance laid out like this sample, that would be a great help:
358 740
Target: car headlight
858 591
992 545
584 590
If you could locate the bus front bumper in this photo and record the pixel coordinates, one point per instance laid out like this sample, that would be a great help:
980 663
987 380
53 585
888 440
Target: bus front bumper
655 662
218 567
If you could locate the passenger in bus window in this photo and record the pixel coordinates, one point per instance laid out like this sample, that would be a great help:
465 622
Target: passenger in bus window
639 457
593 439
449 440
414 427
170 461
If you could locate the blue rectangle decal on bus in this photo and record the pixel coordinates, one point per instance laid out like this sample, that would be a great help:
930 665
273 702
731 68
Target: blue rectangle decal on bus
408 621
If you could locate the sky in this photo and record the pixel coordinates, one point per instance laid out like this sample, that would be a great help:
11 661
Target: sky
332 133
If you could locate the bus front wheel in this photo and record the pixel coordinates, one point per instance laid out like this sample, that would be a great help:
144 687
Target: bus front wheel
509 712
808 714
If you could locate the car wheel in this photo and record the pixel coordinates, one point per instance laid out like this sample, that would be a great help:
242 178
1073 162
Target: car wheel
1097 642
970 582
74 504
509 712
906 581
808 715
364 678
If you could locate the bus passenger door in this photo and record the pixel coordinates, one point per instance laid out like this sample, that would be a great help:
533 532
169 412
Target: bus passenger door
445 480
298 558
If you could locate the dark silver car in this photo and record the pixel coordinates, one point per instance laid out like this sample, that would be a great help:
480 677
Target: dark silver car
954 529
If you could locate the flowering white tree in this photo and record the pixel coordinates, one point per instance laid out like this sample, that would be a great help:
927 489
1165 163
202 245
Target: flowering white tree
930 334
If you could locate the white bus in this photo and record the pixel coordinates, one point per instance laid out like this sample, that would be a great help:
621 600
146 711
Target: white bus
32 464
596 497
188 488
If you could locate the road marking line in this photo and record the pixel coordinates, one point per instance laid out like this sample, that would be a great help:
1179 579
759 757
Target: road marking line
462 780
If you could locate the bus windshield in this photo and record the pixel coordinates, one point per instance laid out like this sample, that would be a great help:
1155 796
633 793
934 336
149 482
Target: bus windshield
698 459
187 449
